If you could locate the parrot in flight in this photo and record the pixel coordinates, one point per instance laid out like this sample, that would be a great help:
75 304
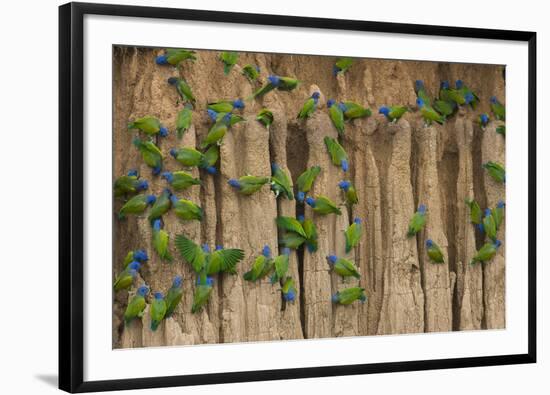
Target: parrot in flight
469 96
160 241
129 184
393 113
476 214
126 277
149 125
251 72
341 66
217 131
336 113
137 255
353 234
161 206
337 153
136 205
262 266
289 290
186 209
486 252
496 171
482 120
265 117
202 260
174 56
183 89
202 292
190 157
174 295
280 264
184 120
349 295
429 114
421 92
180 180
350 193
489 224
417 222
225 106
309 106
343 267
276 82
305 182
136 306
354 110
434 252
229 60
247 185
297 232
498 109
281 184
323 205
151 154
158 310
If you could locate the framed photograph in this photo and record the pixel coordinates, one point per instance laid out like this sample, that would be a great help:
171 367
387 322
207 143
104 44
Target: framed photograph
258 197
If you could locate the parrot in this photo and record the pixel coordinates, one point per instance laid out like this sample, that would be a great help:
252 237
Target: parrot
311 233
393 113
421 93
160 241
349 295
450 95
217 131
434 252
305 182
428 113
201 259
265 117
341 66
202 292
161 206
469 96
349 192
136 205
149 125
289 290
151 154
174 56
226 105
482 120
489 224
475 213
353 234
336 112
186 209
337 153
496 171
191 252
280 264
157 311
137 255
190 157
180 180
229 60
218 117
251 72
445 108
498 109
501 130
136 306
498 214
174 295
297 232
262 266
126 277
309 106
417 221
343 267
486 252
183 89
247 185
323 205
129 184
281 183
290 224
276 82
184 119
353 110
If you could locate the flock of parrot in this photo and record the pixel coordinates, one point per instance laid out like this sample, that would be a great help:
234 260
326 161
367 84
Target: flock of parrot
296 232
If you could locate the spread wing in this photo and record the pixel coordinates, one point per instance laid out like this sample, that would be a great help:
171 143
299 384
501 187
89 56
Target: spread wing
191 252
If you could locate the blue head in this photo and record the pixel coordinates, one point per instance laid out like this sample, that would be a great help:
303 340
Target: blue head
133 173
342 107
163 131
134 265
227 118
151 199
493 100
174 152
419 84
178 281
484 119
444 85
156 170
300 218
219 247
335 70
212 114
468 98
384 110
286 251
143 290
429 243
419 102
344 185
345 165
238 104
300 196
274 167
159 296
335 298
142 185
422 209
167 191
500 204
330 102
205 248
172 80
161 59
290 296
487 212
140 255
274 80
266 251
258 69
459 84
315 96
332 259
168 176
234 183
174 199
357 220
310 201
156 225
209 281
497 243
211 170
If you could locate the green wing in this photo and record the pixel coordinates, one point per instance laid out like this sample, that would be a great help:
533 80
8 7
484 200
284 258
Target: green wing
443 107
336 151
265 117
354 110
337 118
229 60
307 109
281 183
435 254
343 64
306 179
485 253
353 235
173 297
183 121
292 240
191 252
160 242
257 269
229 258
291 225
311 232
134 309
202 293
475 211
416 223
281 267
158 311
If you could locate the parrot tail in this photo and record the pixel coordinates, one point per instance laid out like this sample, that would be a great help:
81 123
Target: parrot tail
154 325
248 276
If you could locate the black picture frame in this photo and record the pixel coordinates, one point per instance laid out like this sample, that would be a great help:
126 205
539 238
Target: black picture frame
71 199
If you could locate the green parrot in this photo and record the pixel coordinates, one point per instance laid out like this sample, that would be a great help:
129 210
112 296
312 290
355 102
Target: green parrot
393 113
202 292
475 213
137 255
265 117
350 192
353 234
136 306
190 157
281 183
469 96
125 278
129 184
434 252
445 108
498 214
349 295
161 206
180 180
289 290
342 65
136 205
429 114
311 233
309 106
337 153
262 266
276 82
151 154
191 252
219 117
343 267
174 56
354 110
217 131
160 241
149 125
251 72
417 221
336 113
173 296
421 92
186 209
305 182
489 224
323 205
486 252
184 119
290 224
297 232
225 106
498 109
202 260
247 185
280 264
183 89
501 130
451 95
496 171
229 59
157 311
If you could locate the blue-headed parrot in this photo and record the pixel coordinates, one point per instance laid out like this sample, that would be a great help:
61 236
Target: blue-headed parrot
349 295
353 234
434 252
343 267
417 221
305 182
136 306
157 311
247 185
337 153
174 295
136 205
185 209
309 106
323 205
281 184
